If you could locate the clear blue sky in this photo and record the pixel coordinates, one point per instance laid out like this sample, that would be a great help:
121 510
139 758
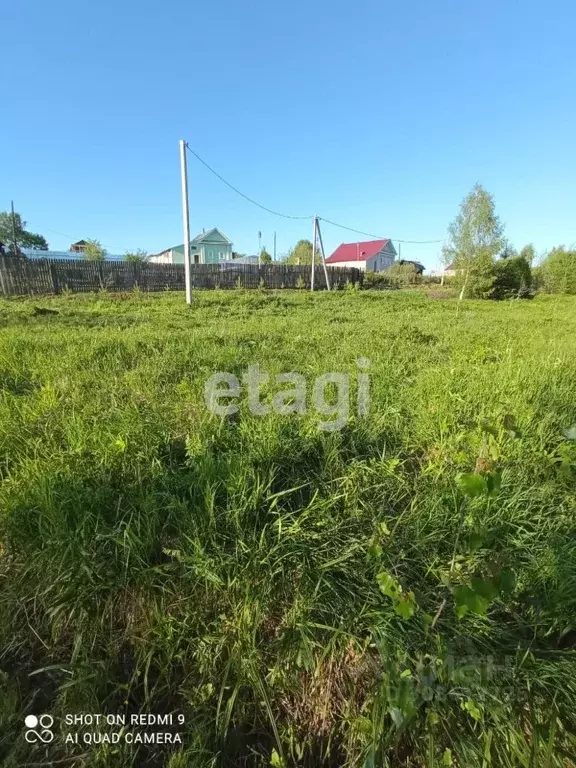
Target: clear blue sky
381 115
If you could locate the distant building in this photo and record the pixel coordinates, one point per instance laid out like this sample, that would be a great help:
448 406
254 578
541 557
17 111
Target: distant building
448 271
419 268
370 255
245 260
79 247
212 247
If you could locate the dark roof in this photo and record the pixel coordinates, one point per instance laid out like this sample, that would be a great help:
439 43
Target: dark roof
357 251
81 242
419 267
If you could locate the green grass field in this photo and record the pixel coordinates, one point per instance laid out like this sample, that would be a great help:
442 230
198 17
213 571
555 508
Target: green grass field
399 592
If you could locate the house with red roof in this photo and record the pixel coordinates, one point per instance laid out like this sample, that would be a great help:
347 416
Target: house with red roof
371 255
448 271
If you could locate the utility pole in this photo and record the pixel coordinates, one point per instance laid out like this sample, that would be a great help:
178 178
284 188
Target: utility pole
274 246
14 242
399 251
259 246
313 253
186 220
318 230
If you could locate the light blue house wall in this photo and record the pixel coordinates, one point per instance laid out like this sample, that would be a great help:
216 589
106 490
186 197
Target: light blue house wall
210 247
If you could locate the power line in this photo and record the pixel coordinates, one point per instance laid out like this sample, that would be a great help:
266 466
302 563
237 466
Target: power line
250 200
379 237
71 237
286 216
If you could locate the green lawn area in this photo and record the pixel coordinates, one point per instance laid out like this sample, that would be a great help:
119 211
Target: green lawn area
397 592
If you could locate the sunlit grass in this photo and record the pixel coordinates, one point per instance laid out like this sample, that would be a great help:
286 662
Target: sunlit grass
292 592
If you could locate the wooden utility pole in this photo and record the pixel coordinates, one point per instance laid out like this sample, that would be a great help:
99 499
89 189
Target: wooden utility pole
186 220
313 253
318 230
317 241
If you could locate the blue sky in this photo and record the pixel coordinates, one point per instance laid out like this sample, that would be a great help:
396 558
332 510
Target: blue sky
380 115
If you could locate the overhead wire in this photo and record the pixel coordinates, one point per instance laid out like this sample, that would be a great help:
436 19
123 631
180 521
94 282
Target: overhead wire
71 237
246 197
378 237
286 216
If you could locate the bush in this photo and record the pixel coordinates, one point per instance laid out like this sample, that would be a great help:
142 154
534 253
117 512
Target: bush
136 257
94 251
377 280
405 274
475 276
394 277
557 273
512 277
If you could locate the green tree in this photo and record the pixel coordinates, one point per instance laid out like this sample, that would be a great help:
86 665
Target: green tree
475 238
557 272
93 251
136 257
509 252
512 277
265 257
402 274
24 239
301 253
528 253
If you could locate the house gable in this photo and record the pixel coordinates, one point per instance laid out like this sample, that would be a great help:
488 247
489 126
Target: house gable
212 247
213 235
360 251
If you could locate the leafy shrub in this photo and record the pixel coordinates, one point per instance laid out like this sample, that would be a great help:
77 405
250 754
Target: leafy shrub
394 277
94 251
404 273
377 280
136 257
475 276
557 273
512 277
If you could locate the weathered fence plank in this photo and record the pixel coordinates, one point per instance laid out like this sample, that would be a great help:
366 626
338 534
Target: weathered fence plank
46 276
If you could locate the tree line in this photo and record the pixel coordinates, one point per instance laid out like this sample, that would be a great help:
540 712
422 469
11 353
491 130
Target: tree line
485 263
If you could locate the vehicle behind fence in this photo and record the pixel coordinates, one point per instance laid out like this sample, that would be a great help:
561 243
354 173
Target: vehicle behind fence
20 276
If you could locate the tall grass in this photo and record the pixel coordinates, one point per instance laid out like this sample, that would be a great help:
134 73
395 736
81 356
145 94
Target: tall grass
398 593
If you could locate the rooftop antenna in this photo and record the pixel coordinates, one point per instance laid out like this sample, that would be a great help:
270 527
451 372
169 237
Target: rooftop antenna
259 246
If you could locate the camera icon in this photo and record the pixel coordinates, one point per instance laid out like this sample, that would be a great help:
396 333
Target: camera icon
39 729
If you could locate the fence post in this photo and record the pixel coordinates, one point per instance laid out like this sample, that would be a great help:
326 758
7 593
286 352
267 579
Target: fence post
54 276
2 268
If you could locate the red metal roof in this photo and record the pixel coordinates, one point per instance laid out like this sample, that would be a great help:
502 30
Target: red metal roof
356 251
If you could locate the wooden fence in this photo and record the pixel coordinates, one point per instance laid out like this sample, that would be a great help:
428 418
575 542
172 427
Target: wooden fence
46 276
